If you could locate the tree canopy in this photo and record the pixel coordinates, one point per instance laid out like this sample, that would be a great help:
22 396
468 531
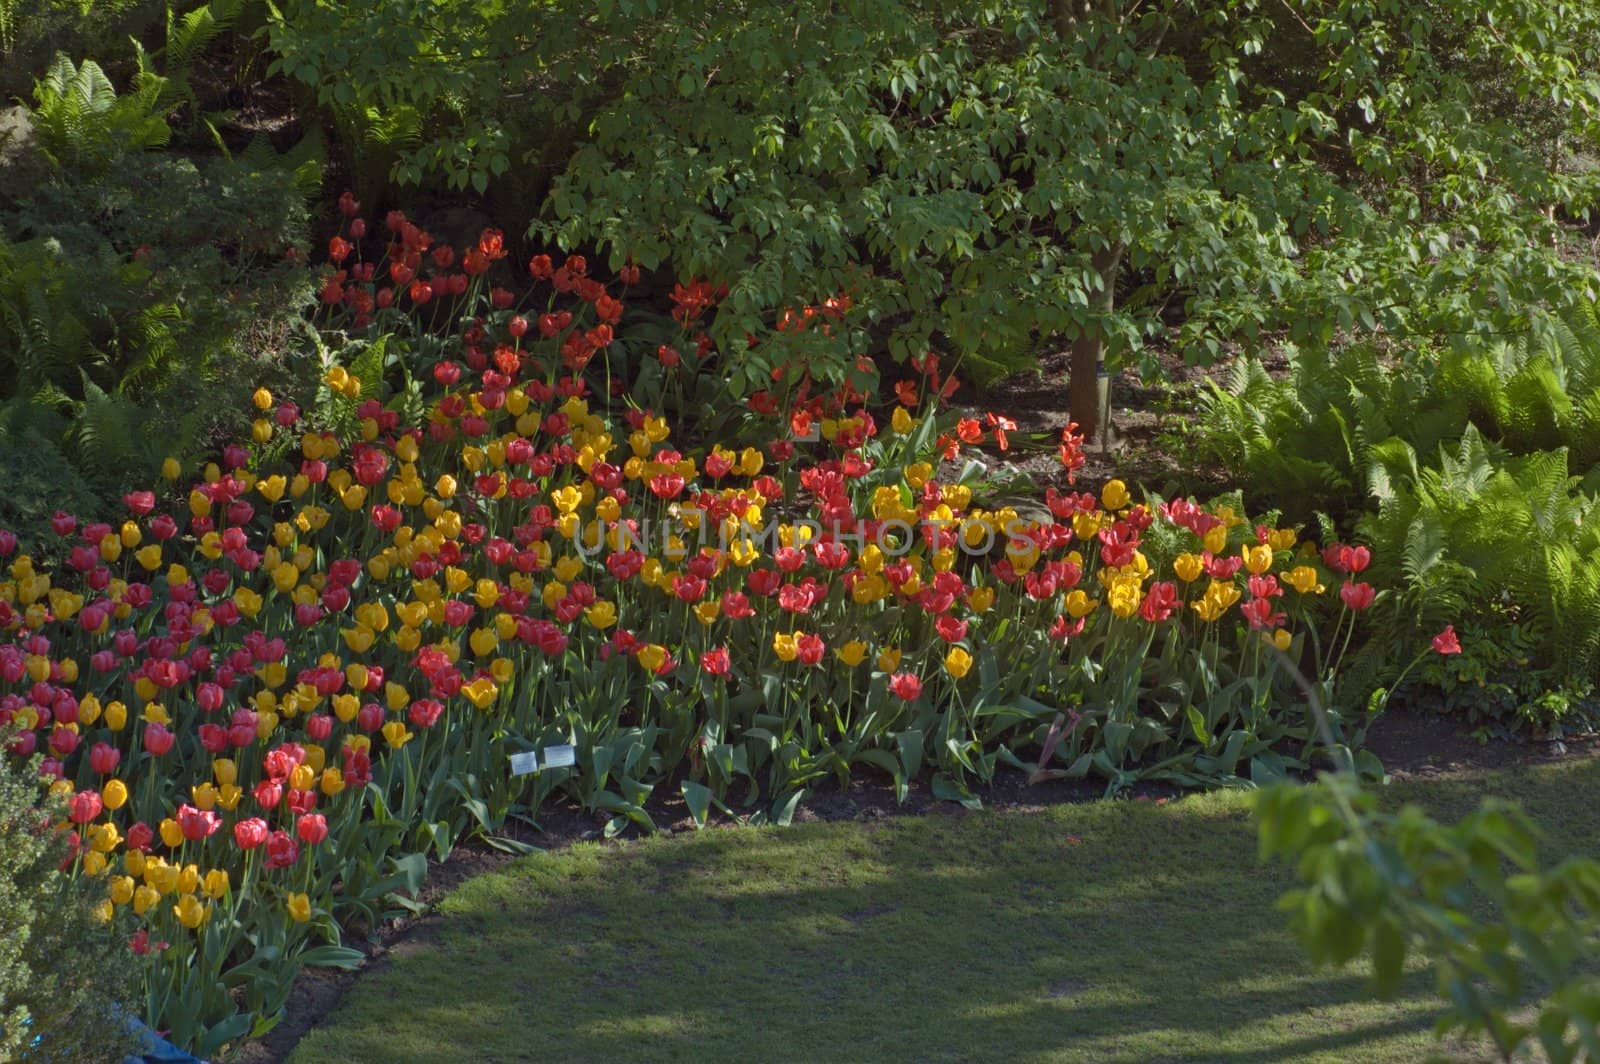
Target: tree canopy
983 177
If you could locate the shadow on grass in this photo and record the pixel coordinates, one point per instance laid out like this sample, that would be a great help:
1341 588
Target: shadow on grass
1111 931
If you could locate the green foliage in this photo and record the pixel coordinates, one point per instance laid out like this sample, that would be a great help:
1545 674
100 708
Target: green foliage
33 32
1477 471
1472 898
140 292
1482 527
61 972
981 176
1494 685
83 125
37 476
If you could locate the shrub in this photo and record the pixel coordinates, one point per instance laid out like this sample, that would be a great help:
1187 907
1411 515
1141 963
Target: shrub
136 287
1475 470
1472 899
983 177
61 974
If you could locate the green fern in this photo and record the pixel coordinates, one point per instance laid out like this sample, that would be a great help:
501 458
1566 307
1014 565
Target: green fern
80 122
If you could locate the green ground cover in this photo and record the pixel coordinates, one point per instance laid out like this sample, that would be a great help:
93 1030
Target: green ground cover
1109 931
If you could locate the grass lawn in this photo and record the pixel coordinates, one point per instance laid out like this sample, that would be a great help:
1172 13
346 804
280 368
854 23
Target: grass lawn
1099 932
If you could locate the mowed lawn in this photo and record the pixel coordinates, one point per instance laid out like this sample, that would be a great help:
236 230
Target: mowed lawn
1111 931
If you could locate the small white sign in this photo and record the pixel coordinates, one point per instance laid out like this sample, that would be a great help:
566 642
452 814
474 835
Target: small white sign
522 764
560 756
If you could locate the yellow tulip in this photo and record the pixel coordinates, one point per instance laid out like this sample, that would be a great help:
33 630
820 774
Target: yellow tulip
1123 596
958 662
1114 496
852 653
1215 602
1079 605
189 911
1303 578
285 576
481 692
483 641
143 898
104 837
299 908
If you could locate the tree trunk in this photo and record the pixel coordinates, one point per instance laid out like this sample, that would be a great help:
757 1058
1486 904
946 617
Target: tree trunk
1085 396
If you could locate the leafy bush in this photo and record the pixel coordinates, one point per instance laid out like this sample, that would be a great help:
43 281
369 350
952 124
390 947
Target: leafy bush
1461 460
33 32
1471 898
36 477
139 291
980 177
61 975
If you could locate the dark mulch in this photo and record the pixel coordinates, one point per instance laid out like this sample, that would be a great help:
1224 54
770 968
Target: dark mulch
1417 744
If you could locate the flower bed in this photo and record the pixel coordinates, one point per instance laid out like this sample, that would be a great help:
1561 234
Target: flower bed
271 699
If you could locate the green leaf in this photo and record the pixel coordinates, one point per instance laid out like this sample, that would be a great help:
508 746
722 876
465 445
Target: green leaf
698 798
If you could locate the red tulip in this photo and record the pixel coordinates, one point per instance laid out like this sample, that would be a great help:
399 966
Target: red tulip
104 757
1357 596
312 828
84 807
282 850
197 824
249 834
268 794
716 661
157 739
905 685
